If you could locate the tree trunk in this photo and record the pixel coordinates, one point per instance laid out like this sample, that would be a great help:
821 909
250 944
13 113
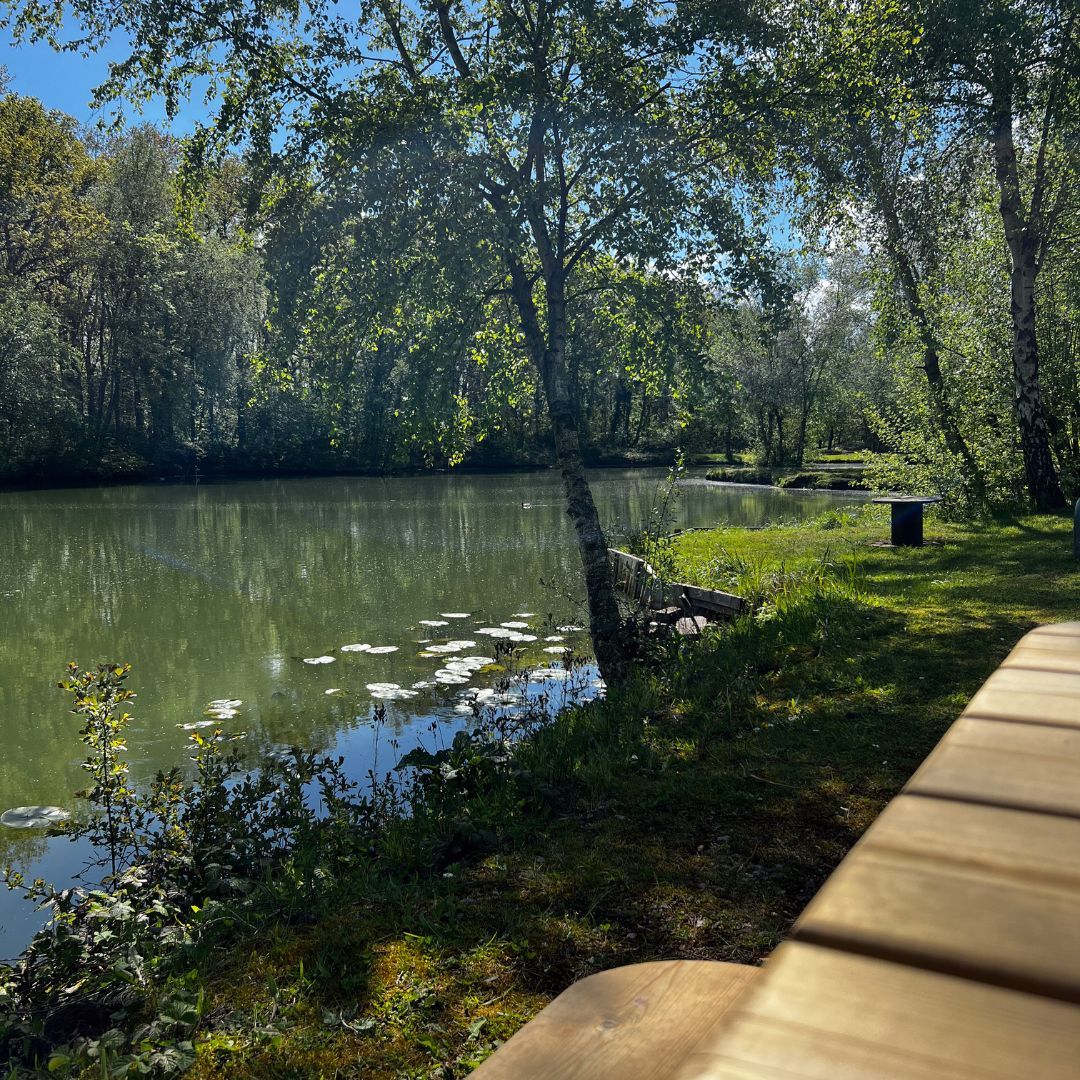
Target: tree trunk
1023 240
549 354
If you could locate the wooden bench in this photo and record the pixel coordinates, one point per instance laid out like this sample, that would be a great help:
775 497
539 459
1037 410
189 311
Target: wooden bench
639 582
945 945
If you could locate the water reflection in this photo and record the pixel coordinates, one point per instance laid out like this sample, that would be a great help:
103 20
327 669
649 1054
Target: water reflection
220 592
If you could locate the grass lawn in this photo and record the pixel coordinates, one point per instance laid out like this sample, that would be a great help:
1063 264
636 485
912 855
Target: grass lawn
691 815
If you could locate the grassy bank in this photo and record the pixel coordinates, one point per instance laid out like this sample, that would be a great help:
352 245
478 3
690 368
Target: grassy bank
834 478
691 815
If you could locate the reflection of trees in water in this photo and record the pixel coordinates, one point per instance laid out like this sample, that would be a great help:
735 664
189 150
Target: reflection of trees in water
218 591
20 847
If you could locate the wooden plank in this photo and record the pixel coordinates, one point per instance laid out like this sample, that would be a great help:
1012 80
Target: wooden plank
955 916
826 1015
989 840
638 1021
1045 654
1024 766
1029 697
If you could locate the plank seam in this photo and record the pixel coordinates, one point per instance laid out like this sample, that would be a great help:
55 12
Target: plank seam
951 966
1026 723
999 804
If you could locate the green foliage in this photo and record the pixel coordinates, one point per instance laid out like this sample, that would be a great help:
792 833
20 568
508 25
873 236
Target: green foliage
184 862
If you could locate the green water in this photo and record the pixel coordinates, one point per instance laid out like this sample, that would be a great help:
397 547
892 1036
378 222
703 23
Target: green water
222 590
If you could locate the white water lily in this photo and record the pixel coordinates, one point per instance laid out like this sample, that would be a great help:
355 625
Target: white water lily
319 659
379 650
355 648
33 817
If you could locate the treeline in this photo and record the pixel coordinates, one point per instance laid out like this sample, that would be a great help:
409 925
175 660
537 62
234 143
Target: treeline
146 333
126 338
388 292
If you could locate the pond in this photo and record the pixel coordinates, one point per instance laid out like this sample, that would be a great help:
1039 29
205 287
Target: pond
222 592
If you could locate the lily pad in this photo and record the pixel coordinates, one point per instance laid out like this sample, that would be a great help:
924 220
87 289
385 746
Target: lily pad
450 678
379 650
334 690
557 649
456 614
355 648
434 622
570 629
319 659
524 614
33 817
515 625
389 691
555 637
225 703
196 724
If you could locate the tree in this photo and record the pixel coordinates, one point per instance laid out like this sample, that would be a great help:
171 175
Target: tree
562 131
928 90
1009 70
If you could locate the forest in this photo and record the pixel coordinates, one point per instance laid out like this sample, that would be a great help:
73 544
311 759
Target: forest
855 240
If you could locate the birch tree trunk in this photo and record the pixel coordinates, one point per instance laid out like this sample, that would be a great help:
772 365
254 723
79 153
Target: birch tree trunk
549 353
1022 237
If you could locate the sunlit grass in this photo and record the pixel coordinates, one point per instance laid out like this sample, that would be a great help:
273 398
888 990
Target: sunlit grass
691 815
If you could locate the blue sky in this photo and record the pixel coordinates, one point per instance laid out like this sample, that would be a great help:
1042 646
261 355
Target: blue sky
66 81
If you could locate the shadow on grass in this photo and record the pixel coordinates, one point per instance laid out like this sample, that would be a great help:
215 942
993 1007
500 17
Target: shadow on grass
692 815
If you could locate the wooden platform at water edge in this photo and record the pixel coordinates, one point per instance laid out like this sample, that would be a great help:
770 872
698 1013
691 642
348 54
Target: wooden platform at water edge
946 944
691 605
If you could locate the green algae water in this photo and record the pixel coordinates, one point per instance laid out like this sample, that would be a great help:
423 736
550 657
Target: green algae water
239 598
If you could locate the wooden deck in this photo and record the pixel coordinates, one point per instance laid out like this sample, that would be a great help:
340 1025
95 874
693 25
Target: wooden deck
639 582
946 944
